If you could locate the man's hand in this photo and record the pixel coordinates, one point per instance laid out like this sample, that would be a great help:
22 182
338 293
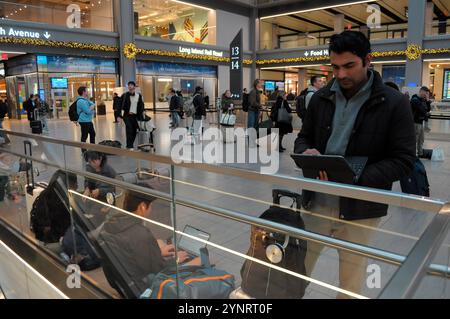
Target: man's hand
182 256
323 176
167 250
95 193
311 151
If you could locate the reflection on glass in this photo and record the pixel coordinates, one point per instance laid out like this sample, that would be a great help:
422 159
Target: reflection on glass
174 20
93 14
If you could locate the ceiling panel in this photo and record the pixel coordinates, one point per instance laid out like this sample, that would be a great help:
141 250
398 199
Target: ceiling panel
443 5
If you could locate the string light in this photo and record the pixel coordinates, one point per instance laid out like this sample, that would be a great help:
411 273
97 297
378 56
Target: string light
59 44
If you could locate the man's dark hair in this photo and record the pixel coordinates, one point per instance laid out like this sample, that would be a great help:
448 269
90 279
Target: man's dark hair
255 83
392 85
31 96
81 90
350 41
94 155
424 88
132 83
133 199
314 78
198 89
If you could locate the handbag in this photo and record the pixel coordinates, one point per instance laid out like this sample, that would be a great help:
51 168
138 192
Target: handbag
228 119
284 117
268 125
438 155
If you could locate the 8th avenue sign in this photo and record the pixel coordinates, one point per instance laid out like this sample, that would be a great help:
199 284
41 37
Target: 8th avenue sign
23 33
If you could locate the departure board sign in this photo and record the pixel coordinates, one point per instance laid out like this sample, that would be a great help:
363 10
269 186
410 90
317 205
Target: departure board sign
446 93
236 73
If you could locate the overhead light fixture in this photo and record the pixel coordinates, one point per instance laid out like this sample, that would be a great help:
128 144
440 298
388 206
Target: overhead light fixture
289 66
387 62
191 5
316 9
435 60
164 80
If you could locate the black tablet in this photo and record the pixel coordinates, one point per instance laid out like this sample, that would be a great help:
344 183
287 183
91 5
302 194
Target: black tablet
336 167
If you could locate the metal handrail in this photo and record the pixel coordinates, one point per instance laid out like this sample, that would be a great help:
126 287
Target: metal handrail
355 248
343 190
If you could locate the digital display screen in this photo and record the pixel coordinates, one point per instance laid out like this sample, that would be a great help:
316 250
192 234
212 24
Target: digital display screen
187 85
446 93
269 85
280 86
59 83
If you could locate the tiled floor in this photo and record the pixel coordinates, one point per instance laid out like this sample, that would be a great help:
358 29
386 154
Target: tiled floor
396 233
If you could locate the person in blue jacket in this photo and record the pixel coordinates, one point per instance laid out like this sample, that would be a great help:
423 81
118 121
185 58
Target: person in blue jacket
85 110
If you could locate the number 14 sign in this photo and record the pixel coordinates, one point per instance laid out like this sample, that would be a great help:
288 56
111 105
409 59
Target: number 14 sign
236 74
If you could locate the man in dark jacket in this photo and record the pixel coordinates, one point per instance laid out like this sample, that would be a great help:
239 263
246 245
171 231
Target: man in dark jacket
254 101
420 111
133 111
200 112
29 106
355 115
117 107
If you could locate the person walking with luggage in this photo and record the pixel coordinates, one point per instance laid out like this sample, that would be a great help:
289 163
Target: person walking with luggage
29 106
174 106
200 111
281 116
181 101
117 107
355 115
43 111
85 110
133 111
420 111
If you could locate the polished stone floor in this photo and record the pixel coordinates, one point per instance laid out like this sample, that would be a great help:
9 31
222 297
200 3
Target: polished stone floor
397 232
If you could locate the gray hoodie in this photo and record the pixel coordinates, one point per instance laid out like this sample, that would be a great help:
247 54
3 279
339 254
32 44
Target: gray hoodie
134 246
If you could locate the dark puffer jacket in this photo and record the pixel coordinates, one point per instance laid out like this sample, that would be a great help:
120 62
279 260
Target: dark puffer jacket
383 132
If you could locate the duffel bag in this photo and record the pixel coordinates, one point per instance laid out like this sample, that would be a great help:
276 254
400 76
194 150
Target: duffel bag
195 282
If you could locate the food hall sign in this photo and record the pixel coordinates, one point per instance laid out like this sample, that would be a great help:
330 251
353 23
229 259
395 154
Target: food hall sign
200 51
20 33
314 53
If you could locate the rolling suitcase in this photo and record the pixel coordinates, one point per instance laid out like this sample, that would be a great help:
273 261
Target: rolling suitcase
36 124
145 138
261 282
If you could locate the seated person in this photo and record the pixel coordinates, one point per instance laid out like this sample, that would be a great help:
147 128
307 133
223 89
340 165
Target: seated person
97 164
134 245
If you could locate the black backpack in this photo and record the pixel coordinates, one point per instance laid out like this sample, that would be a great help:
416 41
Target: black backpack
301 103
73 112
417 183
262 282
50 216
245 102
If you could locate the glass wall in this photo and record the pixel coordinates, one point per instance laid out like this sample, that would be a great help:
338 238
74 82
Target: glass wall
394 73
93 14
316 27
174 20
56 80
155 79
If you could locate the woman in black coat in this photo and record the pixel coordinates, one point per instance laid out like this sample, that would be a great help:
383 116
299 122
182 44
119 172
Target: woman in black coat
284 128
